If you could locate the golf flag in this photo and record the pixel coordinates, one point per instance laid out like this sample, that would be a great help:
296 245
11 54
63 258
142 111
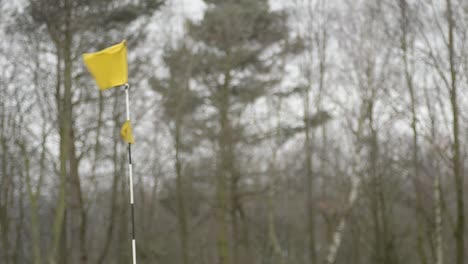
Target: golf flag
109 69
126 132
108 66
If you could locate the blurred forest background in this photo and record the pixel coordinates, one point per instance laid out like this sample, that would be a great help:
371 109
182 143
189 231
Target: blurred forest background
302 131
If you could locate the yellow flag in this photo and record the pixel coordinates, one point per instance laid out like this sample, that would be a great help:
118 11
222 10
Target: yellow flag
126 132
108 66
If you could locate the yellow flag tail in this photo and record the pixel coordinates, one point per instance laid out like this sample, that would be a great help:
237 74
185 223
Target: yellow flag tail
109 66
126 132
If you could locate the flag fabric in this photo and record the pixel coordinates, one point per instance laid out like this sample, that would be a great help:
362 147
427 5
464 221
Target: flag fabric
108 66
126 132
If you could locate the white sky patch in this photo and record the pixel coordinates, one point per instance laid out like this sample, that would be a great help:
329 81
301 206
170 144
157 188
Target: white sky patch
276 5
191 9
167 26
18 5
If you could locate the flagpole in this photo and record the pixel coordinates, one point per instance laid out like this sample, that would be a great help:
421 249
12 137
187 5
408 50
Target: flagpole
130 177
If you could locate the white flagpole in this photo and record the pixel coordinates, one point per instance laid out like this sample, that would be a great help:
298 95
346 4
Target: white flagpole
130 177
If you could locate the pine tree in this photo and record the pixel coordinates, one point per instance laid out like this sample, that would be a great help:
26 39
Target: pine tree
236 40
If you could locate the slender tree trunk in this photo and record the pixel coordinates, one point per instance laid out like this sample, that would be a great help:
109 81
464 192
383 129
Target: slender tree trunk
383 241
77 219
352 198
438 220
414 118
68 160
181 210
113 209
456 160
17 256
234 210
115 189
35 232
271 227
438 248
58 226
309 179
375 210
33 197
4 186
224 175
97 144
275 243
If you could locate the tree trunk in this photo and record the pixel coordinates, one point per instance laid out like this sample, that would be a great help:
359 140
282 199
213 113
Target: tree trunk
414 118
20 220
58 226
76 213
309 179
4 186
115 188
438 220
338 234
224 175
275 243
181 210
456 160
437 190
